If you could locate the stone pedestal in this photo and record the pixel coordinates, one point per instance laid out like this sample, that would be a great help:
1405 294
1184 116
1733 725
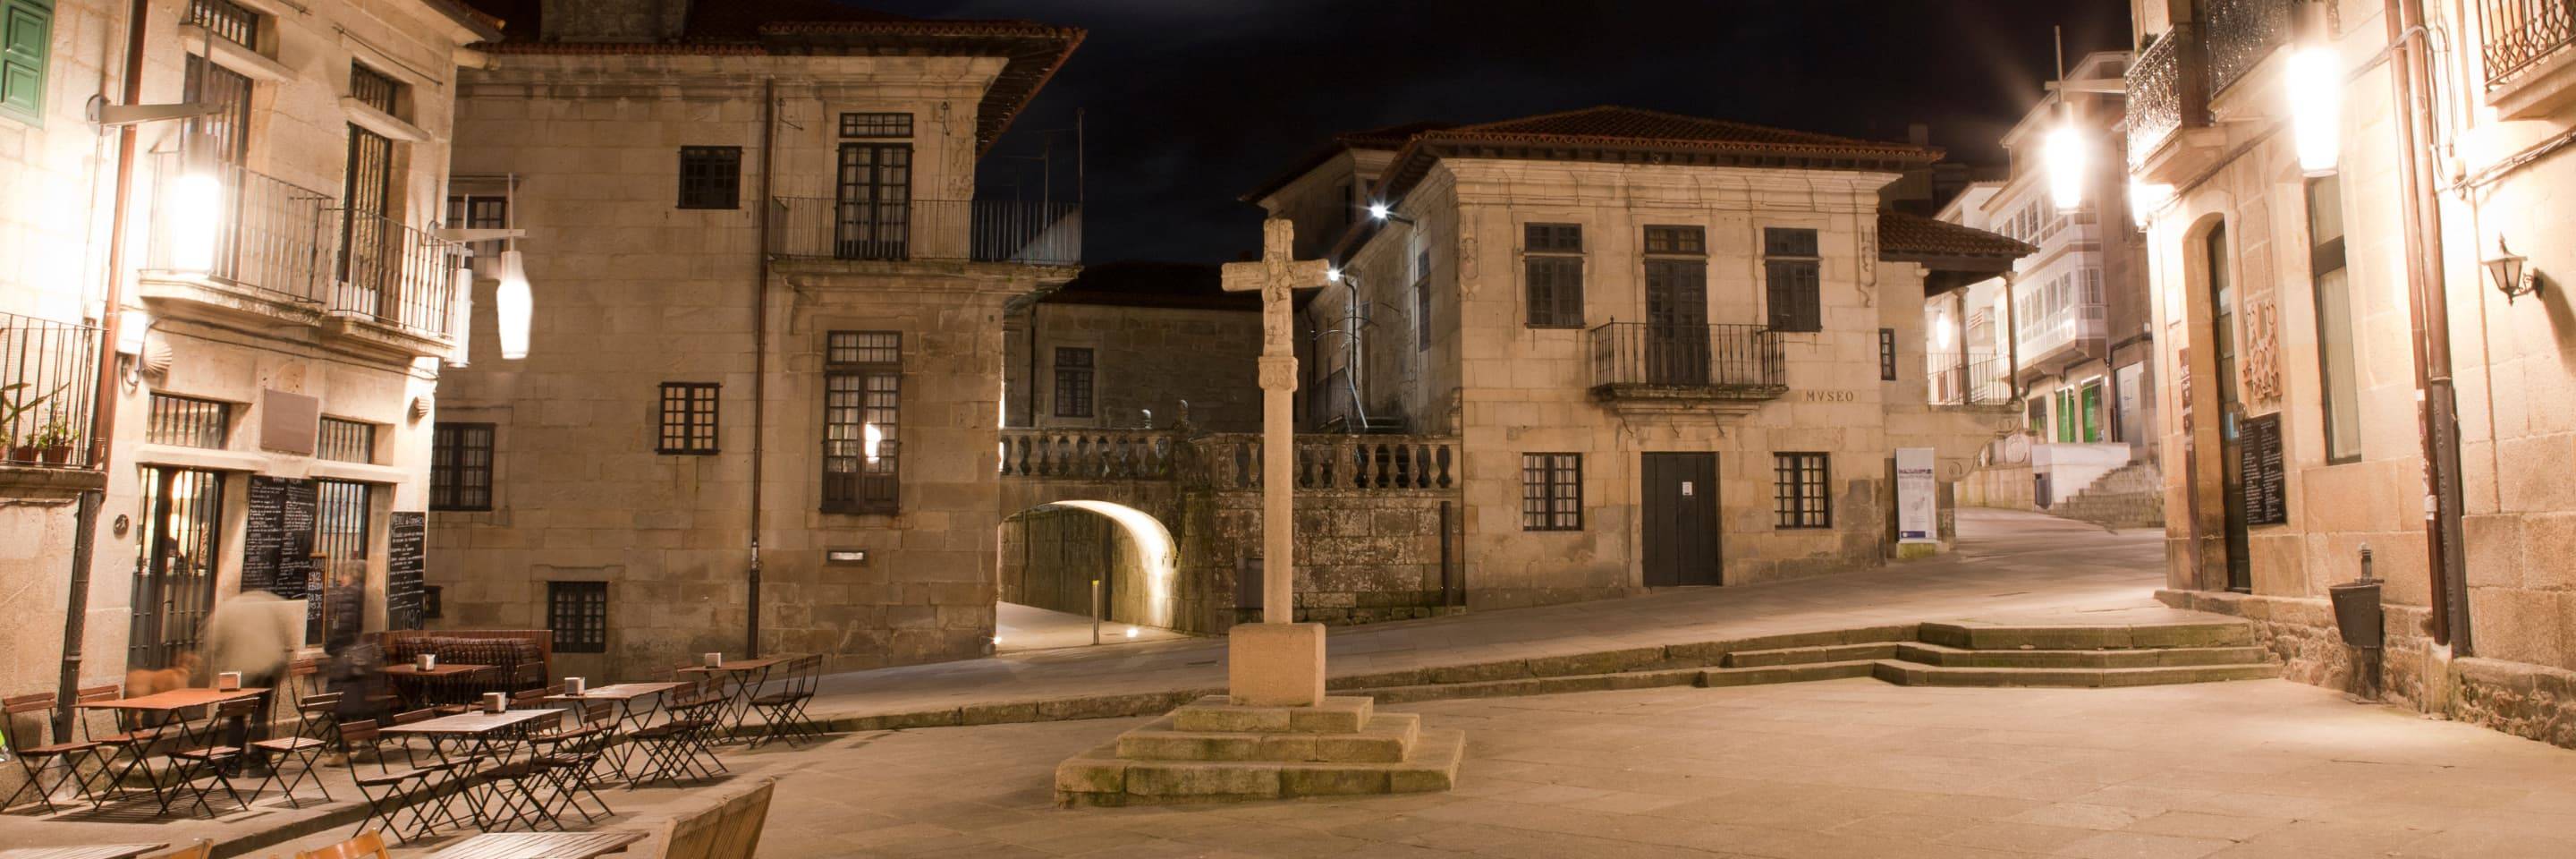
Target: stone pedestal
1217 750
1275 664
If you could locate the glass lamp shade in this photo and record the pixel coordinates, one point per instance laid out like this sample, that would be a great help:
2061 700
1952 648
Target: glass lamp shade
196 216
2066 165
513 304
2315 88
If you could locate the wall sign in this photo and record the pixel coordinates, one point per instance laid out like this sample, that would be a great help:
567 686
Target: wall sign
406 559
2258 462
277 539
1916 519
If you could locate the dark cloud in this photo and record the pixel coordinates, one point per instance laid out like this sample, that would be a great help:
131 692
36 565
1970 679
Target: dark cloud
1188 103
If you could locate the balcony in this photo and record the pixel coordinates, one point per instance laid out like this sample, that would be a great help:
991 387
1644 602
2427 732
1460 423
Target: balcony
1970 379
2169 105
979 231
48 386
393 277
2525 44
271 245
2238 35
2048 338
1683 365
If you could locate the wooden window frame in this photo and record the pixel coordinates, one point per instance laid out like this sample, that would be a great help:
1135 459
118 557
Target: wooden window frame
1552 491
1076 391
875 125
2326 259
862 369
710 178
1793 279
688 419
454 446
1802 490
1887 354
1552 275
577 614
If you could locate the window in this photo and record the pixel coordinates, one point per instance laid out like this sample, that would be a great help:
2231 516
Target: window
341 520
577 612
2337 365
1422 299
26 42
710 177
1798 491
375 89
862 399
1677 240
688 418
1791 275
369 235
347 441
872 202
226 20
460 467
1551 492
876 125
480 212
1887 354
1072 382
187 422
1552 268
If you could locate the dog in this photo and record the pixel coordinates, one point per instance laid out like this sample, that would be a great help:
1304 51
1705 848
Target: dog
146 681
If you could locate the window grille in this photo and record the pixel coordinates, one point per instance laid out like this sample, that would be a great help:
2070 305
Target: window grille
1798 491
346 441
1551 492
228 20
187 422
577 612
460 467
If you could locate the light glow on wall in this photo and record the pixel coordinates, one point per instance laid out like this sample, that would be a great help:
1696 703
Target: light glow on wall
2067 162
870 438
1153 549
196 216
2315 89
514 305
463 355
2145 198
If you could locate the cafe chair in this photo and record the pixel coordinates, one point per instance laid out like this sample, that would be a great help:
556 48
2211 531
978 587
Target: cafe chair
389 790
411 753
119 742
782 713
574 755
367 845
305 751
35 756
215 760
675 748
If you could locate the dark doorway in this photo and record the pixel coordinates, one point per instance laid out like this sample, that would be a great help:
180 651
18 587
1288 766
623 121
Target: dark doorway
873 202
2222 319
1677 322
174 569
1679 504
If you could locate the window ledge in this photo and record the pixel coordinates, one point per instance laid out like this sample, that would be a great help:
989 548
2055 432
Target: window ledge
231 55
199 457
358 471
2545 88
368 117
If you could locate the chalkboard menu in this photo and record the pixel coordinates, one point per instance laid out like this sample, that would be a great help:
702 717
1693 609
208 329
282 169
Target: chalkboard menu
277 541
405 557
2258 461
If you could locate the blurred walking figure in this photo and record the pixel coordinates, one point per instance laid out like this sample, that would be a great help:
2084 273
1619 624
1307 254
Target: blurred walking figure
254 633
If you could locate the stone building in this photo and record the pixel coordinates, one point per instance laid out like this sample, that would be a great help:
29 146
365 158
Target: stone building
1134 345
1671 350
766 365
281 306
2368 350
2071 345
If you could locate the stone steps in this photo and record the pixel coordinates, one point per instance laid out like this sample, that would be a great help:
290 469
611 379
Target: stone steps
2141 657
1905 673
2128 496
1976 636
1384 739
1800 673
1805 655
1213 750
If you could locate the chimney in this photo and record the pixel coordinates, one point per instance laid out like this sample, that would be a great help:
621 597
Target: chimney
625 21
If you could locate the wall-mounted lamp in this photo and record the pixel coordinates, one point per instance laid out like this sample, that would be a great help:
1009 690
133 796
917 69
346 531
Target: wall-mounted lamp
513 304
2145 198
2510 274
1381 211
2067 162
2313 81
196 200
1333 274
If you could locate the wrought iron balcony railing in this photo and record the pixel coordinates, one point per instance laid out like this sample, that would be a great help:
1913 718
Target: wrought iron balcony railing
1652 360
269 237
2518 34
2239 34
998 231
393 275
48 385
1971 379
2168 91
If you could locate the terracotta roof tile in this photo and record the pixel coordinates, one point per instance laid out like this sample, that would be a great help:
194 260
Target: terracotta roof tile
1628 123
1904 237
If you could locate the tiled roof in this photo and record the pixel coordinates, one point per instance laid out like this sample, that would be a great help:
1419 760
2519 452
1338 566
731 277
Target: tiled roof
1388 138
1138 283
1612 122
763 27
1914 238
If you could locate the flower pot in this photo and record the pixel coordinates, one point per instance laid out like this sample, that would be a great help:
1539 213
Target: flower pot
22 453
57 454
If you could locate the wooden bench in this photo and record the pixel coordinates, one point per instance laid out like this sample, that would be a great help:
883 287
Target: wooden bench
727 827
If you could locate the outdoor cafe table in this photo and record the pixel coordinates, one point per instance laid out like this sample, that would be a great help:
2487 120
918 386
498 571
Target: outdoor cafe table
170 705
408 677
82 851
538 845
742 679
624 695
476 734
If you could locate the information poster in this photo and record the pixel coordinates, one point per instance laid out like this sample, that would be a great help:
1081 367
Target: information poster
1917 520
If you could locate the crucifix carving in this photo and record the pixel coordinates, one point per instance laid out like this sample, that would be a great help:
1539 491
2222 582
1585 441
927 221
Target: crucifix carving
1276 276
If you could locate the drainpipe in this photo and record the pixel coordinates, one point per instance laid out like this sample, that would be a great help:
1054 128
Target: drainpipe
2438 410
760 352
102 413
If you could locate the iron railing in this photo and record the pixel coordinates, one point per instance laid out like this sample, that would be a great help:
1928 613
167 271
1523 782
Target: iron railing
2518 34
48 386
1737 359
999 231
2168 91
394 275
1970 379
270 237
2239 34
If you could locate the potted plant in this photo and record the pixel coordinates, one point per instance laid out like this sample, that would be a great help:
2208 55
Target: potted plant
54 441
15 403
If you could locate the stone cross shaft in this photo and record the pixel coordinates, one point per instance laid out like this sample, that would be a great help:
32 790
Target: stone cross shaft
1276 276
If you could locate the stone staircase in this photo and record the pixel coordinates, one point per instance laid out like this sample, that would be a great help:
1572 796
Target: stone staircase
1214 751
2131 496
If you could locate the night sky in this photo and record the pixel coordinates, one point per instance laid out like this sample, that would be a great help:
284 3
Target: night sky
1189 103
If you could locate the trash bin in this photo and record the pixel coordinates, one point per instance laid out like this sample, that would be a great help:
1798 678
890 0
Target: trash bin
2357 613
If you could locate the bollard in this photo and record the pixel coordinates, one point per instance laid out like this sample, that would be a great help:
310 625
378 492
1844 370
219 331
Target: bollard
1095 611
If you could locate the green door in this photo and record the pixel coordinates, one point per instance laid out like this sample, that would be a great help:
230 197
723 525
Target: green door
2065 415
2092 412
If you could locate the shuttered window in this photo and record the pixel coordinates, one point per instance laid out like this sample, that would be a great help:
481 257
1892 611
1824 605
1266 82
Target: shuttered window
1552 268
26 44
1791 274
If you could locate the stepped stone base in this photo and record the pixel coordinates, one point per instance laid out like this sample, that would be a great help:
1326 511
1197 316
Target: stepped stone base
1215 750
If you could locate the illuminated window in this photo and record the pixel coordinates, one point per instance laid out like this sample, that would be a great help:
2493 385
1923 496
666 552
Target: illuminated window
688 418
862 404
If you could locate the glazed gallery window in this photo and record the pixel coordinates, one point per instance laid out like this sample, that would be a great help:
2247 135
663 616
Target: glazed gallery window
688 425
1798 491
862 402
1791 277
2337 365
577 612
1073 369
1551 492
711 177
1552 274
460 466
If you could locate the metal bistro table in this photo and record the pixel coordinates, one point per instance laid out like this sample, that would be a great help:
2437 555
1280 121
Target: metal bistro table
624 695
82 851
538 845
417 686
742 679
477 735
169 704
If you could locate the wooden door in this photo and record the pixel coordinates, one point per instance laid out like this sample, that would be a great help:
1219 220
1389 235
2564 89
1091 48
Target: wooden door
1679 510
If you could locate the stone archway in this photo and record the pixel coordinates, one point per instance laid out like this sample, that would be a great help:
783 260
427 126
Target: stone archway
1052 554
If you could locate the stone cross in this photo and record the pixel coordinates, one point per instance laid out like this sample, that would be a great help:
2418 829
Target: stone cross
1276 275
1277 662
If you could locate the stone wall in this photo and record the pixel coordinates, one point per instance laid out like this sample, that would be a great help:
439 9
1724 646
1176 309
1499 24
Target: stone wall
1145 359
1363 556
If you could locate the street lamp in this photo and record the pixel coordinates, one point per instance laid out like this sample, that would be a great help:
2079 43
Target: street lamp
2145 198
196 216
2508 272
2315 89
2066 163
513 304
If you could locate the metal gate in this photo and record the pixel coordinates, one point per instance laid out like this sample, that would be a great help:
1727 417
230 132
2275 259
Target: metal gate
174 570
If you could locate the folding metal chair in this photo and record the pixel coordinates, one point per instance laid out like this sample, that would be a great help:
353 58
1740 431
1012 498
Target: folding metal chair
782 713
674 749
35 756
390 791
575 753
313 713
214 760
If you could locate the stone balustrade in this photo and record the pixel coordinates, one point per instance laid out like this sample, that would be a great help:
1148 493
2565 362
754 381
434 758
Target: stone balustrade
1229 460
1086 454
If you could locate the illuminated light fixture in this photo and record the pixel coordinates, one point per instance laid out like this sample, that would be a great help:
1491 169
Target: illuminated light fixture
1132 632
869 439
464 321
2067 162
2315 89
1941 331
131 327
2510 274
1378 211
513 304
1333 274
2145 198
196 209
